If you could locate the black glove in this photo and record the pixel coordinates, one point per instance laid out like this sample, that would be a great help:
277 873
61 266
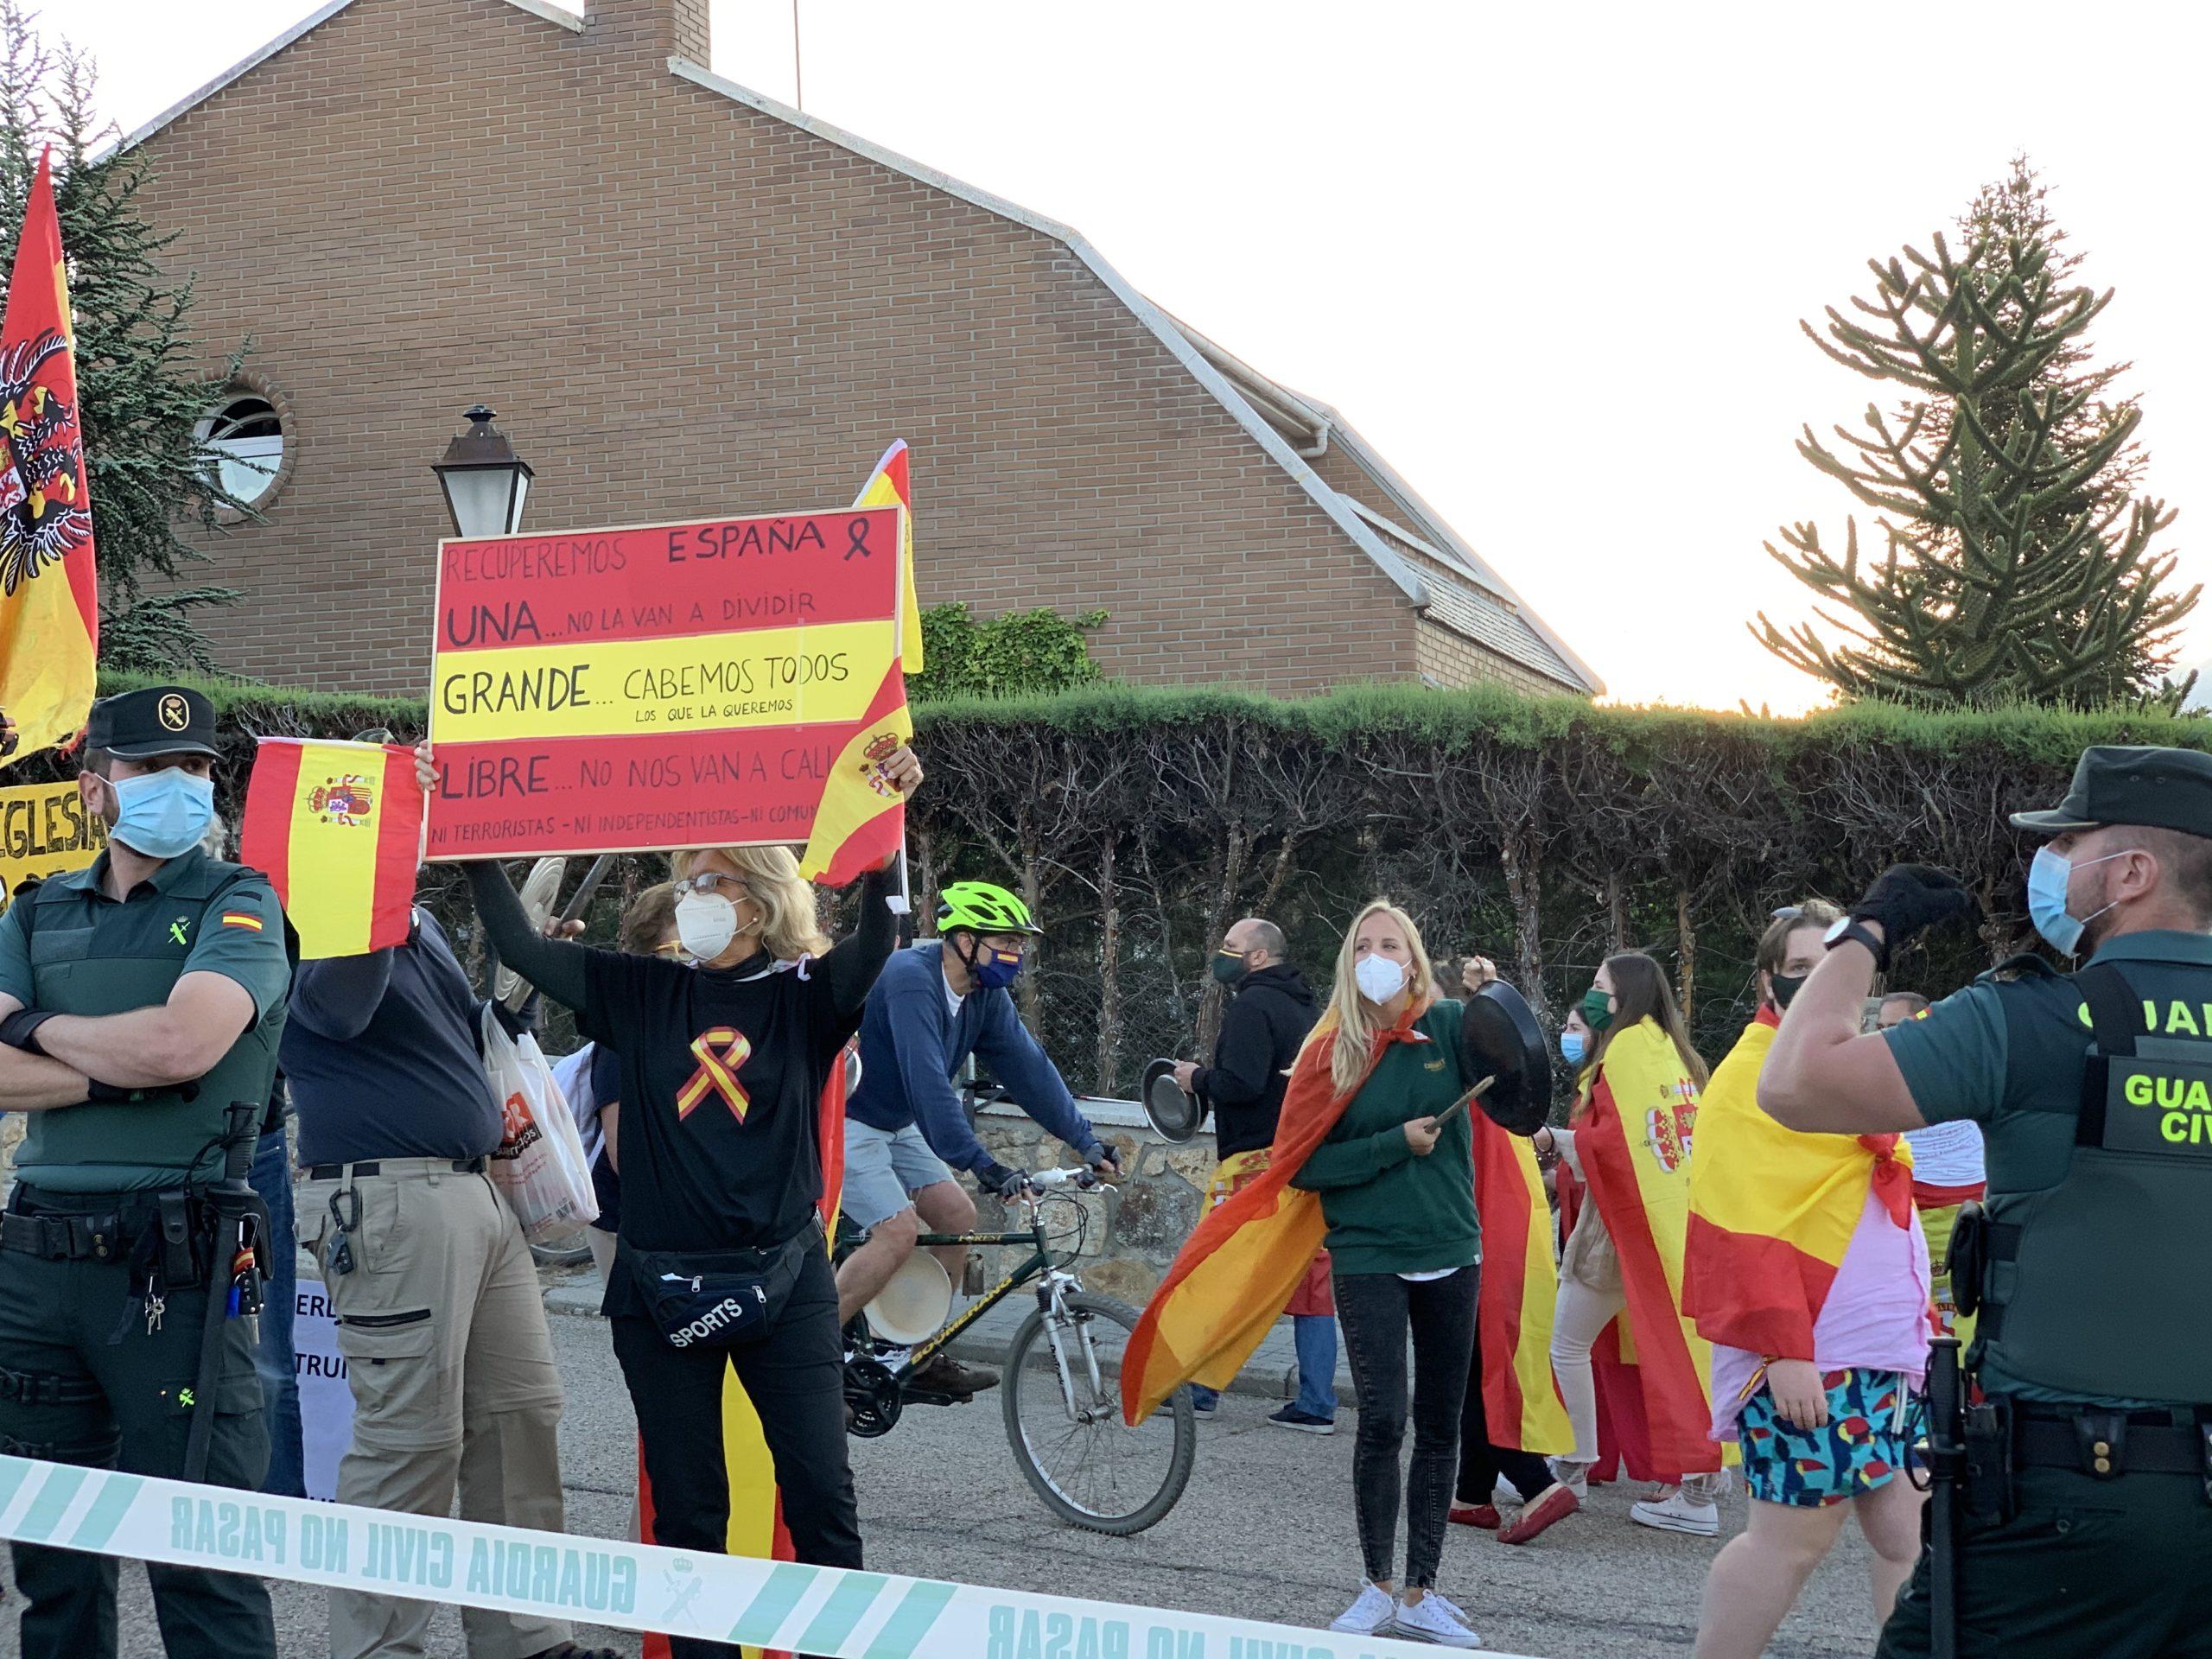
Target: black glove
20 1029
999 1181
1908 899
1098 1157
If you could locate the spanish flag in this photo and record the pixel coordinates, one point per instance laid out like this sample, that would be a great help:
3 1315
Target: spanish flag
338 828
1634 1142
756 1513
1235 1273
1772 1210
861 820
891 485
1520 1286
49 587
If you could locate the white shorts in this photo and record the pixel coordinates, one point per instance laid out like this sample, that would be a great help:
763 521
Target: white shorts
884 1168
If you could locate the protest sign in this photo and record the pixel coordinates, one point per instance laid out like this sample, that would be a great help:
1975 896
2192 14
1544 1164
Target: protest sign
45 830
656 687
326 1396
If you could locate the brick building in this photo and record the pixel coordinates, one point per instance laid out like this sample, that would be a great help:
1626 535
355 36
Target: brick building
685 299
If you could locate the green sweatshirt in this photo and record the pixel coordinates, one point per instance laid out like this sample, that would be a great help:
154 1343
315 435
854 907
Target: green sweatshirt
1387 1211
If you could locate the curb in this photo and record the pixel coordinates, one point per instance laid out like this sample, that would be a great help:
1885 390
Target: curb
578 1299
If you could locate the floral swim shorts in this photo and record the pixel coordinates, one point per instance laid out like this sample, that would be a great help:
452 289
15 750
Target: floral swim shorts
1863 1445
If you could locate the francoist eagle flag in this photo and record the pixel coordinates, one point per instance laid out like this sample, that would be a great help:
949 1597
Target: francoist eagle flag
49 592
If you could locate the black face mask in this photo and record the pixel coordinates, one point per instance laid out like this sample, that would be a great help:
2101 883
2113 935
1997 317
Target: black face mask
1786 986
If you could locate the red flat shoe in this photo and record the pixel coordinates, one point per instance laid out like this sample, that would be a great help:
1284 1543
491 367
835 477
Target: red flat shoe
1485 1516
1549 1507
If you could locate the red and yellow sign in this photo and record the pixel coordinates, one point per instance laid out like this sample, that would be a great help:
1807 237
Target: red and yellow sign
337 828
45 830
658 687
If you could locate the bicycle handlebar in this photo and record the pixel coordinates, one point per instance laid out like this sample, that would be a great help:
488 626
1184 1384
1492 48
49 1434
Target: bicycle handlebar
1042 1181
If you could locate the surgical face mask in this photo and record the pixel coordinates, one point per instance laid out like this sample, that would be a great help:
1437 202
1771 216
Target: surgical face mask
1574 1046
1786 986
1379 978
705 925
1227 967
1597 1009
162 814
2048 878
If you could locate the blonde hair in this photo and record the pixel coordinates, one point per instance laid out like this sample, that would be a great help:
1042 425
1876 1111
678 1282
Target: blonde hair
789 926
1349 1015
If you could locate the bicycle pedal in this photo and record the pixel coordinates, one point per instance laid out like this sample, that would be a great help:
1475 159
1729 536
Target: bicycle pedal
915 1396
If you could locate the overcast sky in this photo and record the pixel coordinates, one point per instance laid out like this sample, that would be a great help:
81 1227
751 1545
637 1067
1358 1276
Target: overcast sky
1549 260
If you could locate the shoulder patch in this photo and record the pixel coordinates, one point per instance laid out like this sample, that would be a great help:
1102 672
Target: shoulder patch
245 919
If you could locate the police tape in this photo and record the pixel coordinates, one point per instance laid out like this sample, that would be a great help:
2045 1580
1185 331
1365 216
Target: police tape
834 1613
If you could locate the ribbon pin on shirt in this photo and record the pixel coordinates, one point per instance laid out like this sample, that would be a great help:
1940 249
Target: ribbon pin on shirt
720 1053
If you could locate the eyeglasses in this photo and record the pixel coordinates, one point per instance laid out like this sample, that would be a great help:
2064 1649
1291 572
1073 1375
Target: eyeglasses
713 884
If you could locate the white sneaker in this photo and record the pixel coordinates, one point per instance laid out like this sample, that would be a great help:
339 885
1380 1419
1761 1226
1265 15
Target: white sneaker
1435 1620
1681 1513
1374 1609
1575 1476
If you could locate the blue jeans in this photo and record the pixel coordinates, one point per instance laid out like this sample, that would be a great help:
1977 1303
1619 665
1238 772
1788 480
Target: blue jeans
1316 1337
272 1356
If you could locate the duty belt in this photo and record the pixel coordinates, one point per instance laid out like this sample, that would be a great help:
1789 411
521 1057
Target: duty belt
104 1235
2105 1445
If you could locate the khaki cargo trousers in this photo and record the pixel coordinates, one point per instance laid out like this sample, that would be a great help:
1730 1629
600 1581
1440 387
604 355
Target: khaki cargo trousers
443 1326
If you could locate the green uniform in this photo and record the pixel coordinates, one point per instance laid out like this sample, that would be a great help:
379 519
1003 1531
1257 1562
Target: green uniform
88 1374
2093 1304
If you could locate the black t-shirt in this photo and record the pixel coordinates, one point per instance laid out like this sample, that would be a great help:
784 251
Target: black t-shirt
721 1077
606 1090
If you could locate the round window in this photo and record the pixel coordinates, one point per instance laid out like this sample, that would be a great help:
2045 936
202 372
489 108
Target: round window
247 440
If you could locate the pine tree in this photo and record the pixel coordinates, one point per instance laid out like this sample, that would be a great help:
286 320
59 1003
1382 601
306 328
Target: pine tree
140 392
2017 560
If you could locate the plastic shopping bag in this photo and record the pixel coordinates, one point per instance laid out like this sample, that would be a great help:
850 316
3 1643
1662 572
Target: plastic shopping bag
540 1164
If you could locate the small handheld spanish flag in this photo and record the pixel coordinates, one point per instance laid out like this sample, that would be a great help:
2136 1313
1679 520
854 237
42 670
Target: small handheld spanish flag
338 828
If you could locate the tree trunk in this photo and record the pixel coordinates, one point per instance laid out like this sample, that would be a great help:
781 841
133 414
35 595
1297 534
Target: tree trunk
1616 915
1686 937
1109 973
1236 850
1520 853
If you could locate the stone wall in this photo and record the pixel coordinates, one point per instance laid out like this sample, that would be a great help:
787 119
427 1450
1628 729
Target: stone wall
1131 1232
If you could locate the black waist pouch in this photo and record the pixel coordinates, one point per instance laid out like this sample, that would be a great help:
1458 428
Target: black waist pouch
716 1299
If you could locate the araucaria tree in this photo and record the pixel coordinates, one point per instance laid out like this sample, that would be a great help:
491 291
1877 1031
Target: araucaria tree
2016 559
142 397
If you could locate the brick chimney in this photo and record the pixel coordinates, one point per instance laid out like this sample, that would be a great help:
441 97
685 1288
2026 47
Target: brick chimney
659 27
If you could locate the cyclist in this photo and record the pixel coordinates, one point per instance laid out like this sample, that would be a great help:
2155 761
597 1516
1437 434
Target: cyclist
936 1003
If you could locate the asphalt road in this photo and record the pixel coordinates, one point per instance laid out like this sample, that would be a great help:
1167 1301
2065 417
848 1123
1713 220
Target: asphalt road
1264 1531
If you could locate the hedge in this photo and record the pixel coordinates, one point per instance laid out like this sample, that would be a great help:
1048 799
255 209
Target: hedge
1546 832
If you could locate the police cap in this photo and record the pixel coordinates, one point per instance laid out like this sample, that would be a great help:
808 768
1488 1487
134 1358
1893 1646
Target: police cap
2161 789
160 720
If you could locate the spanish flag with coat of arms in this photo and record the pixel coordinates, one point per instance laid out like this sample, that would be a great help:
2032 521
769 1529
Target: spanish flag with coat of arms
338 830
49 587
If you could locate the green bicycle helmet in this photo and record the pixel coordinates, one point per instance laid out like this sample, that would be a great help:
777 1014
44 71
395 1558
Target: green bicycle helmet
982 908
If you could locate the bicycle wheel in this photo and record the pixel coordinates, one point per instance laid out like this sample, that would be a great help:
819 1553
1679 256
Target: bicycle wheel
568 1250
1063 1418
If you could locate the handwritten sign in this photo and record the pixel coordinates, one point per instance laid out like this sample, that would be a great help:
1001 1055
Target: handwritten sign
657 687
45 830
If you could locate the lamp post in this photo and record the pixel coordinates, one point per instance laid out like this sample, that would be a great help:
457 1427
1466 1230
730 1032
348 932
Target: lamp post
486 483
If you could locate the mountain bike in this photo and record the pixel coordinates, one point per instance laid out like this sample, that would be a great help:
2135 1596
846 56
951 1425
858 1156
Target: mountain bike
1060 1382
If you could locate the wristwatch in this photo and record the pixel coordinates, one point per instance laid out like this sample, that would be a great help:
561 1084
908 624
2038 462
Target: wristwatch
1852 928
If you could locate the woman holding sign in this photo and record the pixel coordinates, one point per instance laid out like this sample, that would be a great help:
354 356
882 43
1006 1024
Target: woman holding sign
720 1259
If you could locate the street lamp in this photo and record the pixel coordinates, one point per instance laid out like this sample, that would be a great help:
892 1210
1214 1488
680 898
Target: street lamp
484 481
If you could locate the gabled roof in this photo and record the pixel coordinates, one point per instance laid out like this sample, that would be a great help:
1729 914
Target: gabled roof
1264 408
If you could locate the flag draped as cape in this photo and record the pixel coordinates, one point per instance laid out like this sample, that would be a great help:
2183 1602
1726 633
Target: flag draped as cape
1235 1273
1520 1284
1633 1143
1772 1210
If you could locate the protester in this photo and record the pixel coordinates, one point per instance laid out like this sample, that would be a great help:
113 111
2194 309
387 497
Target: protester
1404 1241
723 1072
1625 1204
1948 1173
440 1316
1806 1272
1511 1391
1270 1011
591 1078
937 1003
139 999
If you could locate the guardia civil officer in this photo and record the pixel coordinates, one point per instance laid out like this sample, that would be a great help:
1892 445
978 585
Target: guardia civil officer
2086 1522
139 999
